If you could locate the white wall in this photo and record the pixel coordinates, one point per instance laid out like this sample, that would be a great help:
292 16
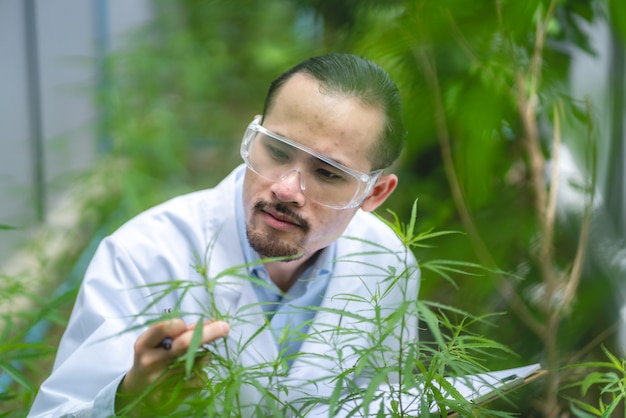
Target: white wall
46 97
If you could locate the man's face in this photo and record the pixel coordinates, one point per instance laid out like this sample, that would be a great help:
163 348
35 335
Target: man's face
280 219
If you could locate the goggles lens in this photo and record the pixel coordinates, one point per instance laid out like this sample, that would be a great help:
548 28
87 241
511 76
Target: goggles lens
321 179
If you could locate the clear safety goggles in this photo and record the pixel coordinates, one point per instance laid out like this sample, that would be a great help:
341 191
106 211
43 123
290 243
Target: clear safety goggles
322 180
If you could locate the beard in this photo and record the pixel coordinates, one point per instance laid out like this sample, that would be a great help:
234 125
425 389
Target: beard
271 244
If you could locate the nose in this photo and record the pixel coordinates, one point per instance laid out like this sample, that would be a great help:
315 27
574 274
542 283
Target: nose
289 188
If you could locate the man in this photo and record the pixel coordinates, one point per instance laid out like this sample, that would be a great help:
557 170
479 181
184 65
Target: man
297 292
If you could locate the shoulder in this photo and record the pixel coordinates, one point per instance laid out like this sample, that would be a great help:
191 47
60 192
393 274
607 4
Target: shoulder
370 250
188 220
367 226
367 234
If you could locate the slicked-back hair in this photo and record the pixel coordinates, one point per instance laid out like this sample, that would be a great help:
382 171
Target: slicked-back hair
360 78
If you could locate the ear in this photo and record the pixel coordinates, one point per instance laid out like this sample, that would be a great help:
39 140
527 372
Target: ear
382 189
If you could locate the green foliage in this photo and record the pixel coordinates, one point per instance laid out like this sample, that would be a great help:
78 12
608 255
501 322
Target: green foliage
177 99
481 82
20 356
265 389
610 385
182 91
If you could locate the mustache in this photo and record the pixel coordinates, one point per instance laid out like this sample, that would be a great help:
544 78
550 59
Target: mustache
285 210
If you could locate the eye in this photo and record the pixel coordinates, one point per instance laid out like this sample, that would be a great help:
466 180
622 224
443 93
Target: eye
276 151
329 174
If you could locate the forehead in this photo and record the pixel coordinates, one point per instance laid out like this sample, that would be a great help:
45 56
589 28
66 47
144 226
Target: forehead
336 125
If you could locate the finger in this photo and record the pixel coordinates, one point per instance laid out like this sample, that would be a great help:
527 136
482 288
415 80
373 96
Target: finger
151 362
155 335
193 325
211 331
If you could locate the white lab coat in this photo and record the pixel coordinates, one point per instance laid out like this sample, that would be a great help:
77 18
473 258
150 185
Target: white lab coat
164 244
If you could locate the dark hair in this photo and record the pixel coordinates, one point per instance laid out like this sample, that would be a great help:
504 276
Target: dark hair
360 78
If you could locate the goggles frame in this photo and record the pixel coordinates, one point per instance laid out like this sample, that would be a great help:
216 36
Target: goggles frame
365 181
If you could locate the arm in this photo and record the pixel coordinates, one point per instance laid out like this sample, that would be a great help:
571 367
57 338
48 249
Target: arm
107 322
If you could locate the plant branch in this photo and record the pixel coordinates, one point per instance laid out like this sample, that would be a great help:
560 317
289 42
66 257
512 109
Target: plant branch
425 57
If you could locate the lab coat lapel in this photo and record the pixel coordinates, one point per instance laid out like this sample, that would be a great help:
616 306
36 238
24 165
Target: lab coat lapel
232 294
247 321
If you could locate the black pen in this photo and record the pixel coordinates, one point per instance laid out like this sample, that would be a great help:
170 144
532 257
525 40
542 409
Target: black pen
166 343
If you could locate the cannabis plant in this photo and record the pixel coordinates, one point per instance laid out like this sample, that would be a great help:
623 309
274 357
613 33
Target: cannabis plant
375 365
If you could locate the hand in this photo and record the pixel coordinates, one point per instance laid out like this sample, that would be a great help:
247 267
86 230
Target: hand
152 366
